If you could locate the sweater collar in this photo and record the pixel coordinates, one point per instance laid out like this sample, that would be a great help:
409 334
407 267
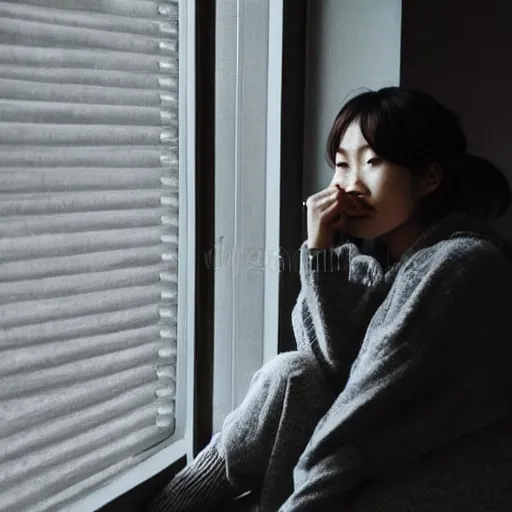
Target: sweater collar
451 226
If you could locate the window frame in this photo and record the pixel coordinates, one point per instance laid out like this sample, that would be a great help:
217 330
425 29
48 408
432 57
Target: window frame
276 146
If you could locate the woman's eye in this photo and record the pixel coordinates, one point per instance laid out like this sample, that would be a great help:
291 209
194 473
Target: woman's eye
374 161
341 164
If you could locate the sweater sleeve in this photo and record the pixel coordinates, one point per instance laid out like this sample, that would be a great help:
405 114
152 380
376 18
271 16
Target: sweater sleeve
340 291
422 378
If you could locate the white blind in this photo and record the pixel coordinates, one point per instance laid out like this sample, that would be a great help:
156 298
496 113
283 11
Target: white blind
88 243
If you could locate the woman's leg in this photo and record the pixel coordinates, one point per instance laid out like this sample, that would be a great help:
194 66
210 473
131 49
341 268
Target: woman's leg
260 441
263 439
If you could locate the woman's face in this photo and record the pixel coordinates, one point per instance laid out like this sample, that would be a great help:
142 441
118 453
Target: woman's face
391 190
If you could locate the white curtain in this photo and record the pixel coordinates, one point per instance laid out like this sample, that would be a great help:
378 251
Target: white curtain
88 243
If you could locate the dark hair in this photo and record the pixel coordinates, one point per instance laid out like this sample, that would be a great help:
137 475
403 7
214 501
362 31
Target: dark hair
412 129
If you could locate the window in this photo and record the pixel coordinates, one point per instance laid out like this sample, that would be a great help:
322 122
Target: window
260 63
94 278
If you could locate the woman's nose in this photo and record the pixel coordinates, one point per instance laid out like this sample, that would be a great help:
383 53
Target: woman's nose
352 185
355 190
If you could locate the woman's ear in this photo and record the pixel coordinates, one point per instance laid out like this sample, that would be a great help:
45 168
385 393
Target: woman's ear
431 179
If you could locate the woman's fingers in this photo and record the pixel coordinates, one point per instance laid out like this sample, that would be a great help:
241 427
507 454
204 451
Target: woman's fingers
340 223
348 203
328 210
356 206
322 199
326 202
322 207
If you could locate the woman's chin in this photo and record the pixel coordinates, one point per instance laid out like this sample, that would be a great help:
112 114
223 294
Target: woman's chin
360 227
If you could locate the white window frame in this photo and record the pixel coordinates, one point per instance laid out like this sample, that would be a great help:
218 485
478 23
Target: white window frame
273 190
239 350
180 444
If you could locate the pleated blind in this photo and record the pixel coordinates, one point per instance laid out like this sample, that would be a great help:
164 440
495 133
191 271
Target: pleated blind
88 243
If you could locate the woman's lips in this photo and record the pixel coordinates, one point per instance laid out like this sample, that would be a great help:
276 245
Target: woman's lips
360 208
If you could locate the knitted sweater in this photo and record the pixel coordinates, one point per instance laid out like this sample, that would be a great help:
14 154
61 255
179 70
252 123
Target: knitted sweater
420 354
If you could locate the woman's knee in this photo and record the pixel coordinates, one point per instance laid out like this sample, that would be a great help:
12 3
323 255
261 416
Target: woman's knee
258 416
288 364
287 390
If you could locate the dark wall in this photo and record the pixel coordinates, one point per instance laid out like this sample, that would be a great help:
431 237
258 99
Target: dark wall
460 51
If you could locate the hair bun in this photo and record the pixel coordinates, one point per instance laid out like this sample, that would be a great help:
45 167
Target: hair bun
483 190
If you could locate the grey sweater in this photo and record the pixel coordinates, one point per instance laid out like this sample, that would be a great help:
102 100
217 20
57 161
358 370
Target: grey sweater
416 411
420 355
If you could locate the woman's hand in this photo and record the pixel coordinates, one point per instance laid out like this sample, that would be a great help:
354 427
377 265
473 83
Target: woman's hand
327 212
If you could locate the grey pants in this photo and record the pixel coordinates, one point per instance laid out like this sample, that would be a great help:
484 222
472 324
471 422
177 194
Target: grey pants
264 437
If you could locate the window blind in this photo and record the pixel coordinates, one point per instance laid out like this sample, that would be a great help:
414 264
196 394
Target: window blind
88 243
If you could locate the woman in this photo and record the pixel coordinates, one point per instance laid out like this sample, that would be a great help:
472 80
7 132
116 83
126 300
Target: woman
399 395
